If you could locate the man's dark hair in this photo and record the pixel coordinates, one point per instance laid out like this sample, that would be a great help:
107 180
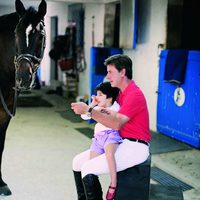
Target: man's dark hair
121 62
108 90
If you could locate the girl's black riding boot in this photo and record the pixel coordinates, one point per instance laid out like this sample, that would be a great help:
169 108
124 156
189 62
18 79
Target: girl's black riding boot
79 186
92 187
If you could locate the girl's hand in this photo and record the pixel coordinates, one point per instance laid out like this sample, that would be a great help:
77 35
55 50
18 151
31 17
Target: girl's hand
94 101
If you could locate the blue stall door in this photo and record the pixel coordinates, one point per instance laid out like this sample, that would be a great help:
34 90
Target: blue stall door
178 107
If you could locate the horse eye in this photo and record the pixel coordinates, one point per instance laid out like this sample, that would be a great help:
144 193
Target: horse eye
32 31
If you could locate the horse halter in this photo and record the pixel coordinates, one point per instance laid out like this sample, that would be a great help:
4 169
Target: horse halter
34 61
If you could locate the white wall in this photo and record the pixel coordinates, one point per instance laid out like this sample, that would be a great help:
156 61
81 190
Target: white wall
96 10
6 9
53 9
145 56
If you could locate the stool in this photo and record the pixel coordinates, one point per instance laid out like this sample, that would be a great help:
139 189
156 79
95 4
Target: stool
134 182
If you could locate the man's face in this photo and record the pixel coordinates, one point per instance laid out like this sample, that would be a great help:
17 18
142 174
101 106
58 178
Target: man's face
113 75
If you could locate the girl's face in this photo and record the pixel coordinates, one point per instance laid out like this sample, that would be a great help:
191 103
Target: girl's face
102 100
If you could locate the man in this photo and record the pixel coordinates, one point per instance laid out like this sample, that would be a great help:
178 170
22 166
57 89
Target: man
132 121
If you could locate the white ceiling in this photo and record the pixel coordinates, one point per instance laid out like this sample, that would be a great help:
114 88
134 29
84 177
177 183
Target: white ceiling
12 2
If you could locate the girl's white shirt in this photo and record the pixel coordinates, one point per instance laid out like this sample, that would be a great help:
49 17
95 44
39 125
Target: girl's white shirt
100 127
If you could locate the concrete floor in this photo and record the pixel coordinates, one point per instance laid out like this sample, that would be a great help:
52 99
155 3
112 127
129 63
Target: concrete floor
40 145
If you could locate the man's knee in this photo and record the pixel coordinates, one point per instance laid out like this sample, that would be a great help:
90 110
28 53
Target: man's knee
85 169
76 165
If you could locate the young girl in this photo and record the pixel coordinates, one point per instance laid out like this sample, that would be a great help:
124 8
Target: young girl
105 139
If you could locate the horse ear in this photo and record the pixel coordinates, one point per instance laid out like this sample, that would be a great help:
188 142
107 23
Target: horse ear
42 9
19 8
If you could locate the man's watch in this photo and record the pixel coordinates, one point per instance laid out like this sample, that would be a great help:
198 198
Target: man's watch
89 112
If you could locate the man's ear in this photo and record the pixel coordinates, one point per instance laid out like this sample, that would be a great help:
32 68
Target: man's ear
123 72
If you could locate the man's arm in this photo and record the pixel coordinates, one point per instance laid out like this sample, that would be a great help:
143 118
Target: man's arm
107 117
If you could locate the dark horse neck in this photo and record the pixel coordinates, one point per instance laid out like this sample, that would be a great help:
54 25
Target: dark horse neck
8 22
7 79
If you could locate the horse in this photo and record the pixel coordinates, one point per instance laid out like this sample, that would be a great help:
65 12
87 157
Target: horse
22 44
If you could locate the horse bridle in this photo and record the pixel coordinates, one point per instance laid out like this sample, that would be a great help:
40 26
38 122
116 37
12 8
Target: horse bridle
34 63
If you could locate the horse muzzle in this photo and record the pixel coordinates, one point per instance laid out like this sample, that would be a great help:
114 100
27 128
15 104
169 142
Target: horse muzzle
26 67
24 76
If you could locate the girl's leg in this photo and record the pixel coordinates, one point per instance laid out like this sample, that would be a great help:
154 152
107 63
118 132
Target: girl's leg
110 150
94 154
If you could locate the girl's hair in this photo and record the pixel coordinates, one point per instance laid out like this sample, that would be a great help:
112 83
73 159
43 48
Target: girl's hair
108 90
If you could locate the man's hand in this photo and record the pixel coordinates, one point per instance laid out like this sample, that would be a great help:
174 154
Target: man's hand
79 108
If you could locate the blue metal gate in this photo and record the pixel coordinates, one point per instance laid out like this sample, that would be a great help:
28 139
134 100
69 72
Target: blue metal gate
178 106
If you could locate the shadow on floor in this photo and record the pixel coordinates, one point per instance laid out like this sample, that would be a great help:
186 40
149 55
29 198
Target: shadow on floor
162 144
32 101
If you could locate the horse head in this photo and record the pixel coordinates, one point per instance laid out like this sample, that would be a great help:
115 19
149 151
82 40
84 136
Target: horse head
30 39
